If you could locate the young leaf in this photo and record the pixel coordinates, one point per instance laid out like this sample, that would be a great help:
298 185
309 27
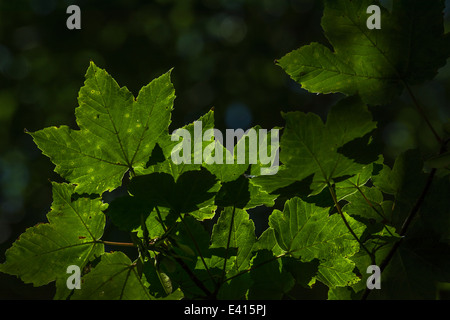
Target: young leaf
409 48
117 132
43 253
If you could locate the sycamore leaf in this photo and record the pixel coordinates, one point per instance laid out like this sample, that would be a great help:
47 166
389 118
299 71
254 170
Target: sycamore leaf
350 186
190 233
414 271
368 203
43 253
241 233
268 241
306 231
223 163
117 132
236 226
244 194
310 147
405 181
337 273
115 277
193 191
410 47
256 147
193 145
270 280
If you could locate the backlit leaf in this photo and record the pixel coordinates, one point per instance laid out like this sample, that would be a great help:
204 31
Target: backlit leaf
43 253
117 132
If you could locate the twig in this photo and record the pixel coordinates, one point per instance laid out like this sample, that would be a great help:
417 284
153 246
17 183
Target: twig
404 228
422 112
338 208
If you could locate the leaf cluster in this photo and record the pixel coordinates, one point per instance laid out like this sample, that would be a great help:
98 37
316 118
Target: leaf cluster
336 207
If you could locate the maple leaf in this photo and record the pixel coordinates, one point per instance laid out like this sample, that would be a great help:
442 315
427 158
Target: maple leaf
117 132
409 48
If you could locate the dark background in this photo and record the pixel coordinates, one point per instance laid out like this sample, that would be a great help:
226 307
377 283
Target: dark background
222 52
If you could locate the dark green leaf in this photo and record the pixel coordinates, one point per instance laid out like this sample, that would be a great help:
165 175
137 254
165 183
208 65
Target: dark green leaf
114 278
410 47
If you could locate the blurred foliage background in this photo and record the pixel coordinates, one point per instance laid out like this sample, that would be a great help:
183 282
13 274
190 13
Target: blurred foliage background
222 52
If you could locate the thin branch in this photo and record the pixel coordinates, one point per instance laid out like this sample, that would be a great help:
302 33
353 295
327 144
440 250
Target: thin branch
193 277
422 112
196 247
160 219
338 208
404 227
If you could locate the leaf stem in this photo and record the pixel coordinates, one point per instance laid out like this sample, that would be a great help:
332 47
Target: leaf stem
196 247
117 244
408 220
228 245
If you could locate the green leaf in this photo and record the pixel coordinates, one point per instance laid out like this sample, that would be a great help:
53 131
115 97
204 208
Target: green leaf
255 147
117 132
440 161
235 225
350 186
337 273
192 234
127 212
222 167
310 147
410 47
194 190
268 241
367 203
416 268
114 278
435 212
169 147
244 194
270 280
43 252
405 181
307 232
